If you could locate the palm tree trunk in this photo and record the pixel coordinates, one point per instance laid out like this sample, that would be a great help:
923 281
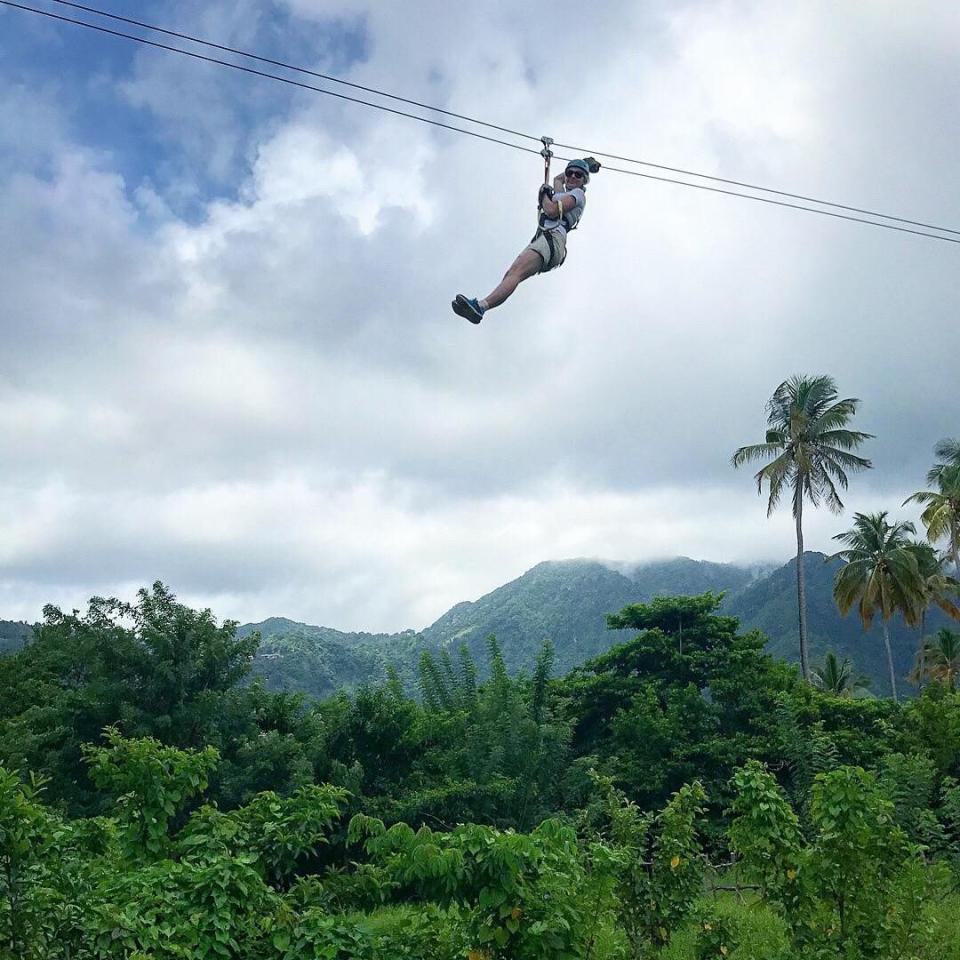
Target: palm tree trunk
955 547
801 586
921 665
893 676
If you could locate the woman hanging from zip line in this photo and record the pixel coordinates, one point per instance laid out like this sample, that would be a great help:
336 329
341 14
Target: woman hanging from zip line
561 208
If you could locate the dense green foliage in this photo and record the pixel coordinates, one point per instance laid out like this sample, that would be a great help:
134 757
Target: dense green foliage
155 804
154 669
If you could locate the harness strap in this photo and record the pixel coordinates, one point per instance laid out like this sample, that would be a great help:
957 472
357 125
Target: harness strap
564 218
552 247
548 234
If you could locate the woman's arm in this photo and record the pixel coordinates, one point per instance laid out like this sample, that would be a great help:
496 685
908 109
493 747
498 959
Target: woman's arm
555 209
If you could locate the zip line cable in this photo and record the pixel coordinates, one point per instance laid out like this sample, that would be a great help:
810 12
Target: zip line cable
290 66
517 133
471 133
261 73
750 186
782 203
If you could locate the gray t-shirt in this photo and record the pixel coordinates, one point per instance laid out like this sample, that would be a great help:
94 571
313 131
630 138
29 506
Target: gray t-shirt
573 216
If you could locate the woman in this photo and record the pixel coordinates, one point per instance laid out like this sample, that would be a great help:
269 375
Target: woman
561 209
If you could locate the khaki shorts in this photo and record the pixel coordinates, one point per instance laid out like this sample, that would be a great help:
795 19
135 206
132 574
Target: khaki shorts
541 245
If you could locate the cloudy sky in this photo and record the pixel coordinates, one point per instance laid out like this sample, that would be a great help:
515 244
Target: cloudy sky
227 356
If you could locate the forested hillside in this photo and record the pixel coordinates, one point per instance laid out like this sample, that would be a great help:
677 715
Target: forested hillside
566 602
557 600
682 796
13 635
319 661
770 605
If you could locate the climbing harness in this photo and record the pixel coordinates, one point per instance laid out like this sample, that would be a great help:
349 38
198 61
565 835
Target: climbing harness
570 219
551 262
546 190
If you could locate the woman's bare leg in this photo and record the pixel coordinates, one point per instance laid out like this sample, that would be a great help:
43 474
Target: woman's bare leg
527 265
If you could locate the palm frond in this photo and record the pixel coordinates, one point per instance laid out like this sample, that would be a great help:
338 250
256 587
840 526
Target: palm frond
801 394
755 451
948 449
835 416
778 474
882 571
847 587
947 452
950 608
849 461
829 491
937 519
842 442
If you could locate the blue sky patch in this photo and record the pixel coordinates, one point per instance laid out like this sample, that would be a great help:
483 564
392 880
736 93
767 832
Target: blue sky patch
188 156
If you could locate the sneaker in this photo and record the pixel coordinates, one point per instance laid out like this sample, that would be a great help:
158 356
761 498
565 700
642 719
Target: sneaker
468 308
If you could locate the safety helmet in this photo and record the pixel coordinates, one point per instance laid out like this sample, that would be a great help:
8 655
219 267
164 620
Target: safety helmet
579 165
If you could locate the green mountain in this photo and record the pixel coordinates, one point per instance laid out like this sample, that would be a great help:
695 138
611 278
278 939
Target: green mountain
566 601
320 661
13 635
770 605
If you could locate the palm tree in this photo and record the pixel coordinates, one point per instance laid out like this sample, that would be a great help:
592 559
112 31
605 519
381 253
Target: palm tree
941 518
880 575
938 589
947 452
836 677
941 659
810 449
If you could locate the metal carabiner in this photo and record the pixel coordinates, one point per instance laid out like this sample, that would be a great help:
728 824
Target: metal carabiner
547 155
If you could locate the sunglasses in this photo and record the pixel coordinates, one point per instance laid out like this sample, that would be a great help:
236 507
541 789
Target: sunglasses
575 173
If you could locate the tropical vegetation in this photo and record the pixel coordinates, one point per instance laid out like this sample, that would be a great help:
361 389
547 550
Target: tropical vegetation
680 794
837 677
939 659
941 514
880 575
156 804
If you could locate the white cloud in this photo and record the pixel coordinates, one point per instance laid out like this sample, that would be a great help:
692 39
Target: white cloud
364 552
270 405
